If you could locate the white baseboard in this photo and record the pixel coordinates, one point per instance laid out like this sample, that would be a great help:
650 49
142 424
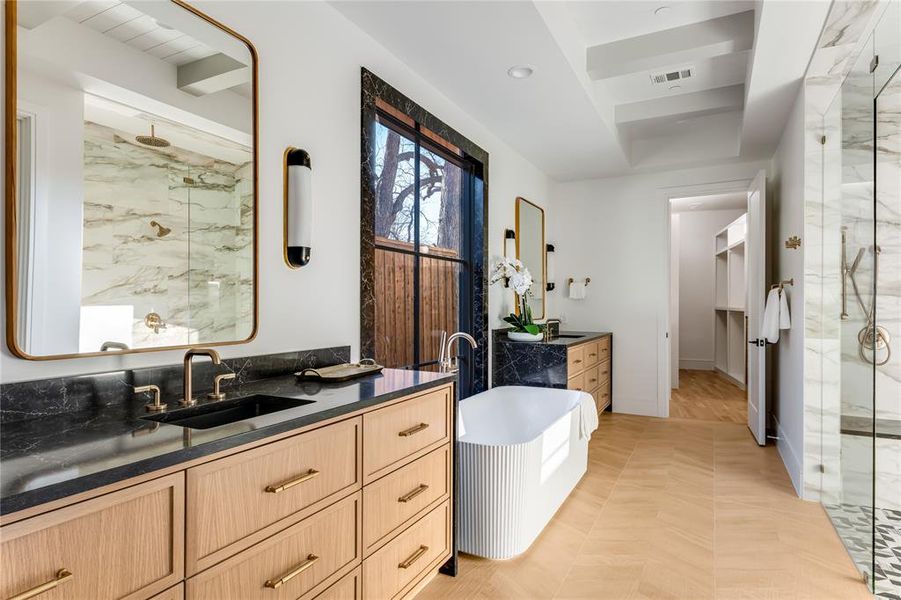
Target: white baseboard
790 459
696 364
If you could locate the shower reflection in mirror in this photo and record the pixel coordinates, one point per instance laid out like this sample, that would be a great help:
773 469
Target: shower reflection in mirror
136 191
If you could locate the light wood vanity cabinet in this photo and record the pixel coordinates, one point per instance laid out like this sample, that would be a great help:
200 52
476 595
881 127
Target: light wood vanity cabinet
355 509
589 368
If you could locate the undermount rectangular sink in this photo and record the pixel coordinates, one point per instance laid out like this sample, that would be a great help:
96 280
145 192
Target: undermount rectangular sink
214 414
568 336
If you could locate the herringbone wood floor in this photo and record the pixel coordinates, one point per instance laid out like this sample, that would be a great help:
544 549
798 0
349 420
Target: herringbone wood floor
708 396
672 509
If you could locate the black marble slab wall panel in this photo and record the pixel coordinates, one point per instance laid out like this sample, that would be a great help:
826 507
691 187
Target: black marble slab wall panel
47 397
373 88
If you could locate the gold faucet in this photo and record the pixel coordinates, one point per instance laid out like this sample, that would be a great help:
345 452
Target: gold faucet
187 399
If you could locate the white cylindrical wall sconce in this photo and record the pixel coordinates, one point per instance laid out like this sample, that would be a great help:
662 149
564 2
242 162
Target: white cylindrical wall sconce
549 266
509 243
298 207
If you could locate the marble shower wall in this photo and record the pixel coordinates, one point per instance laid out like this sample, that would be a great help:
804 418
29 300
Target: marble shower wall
167 231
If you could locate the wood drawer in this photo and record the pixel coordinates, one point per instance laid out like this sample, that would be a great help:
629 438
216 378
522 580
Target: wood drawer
329 542
237 501
604 372
396 498
591 351
576 382
349 587
401 563
592 377
602 396
575 360
174 593
404 431
604 348
126 544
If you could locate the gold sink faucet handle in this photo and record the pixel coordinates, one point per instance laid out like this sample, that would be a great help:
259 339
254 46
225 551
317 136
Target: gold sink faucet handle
216 394
156 405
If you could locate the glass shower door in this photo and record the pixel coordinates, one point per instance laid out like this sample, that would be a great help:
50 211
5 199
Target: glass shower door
886 330
850 251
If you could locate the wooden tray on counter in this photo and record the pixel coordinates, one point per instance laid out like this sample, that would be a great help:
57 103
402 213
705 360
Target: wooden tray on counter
342 372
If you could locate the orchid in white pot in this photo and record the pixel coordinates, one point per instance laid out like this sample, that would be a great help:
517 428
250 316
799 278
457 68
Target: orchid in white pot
519 280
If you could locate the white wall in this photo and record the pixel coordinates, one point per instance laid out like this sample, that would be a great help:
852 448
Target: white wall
310 59
787 358
615 231
697 229
58 198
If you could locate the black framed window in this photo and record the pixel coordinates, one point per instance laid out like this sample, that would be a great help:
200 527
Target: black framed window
422 243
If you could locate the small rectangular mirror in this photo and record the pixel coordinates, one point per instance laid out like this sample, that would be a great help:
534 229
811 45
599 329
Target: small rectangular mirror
132 215
530 250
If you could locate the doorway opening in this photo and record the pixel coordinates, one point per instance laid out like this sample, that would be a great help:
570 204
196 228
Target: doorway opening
708 307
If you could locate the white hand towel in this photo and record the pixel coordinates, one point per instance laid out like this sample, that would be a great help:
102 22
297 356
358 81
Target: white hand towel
785 319
769 329
577 290
588 415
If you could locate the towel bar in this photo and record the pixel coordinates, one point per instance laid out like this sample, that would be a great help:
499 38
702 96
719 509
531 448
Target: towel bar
783 283
571 280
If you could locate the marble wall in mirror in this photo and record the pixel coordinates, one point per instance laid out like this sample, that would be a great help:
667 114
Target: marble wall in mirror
530 250
135 197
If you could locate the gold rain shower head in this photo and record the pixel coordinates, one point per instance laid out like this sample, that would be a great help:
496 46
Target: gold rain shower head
152 140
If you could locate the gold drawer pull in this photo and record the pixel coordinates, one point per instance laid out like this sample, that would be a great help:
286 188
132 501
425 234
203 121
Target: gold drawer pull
413 430
274 585
592 381
275 489
62 576
592 355
410 495
577 361
413 558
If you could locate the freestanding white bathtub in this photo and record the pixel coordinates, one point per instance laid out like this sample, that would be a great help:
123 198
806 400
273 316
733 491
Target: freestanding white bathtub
521 453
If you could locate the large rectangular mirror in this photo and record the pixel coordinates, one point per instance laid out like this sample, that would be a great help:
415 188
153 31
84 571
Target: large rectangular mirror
530 250
131 219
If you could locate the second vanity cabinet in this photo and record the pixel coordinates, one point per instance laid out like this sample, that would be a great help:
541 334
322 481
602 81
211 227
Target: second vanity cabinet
357 508
588 368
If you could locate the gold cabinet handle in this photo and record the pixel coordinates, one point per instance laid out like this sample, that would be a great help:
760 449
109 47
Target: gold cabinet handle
62 576
578 361
274 584
410 495
592 355
413 558
592 381
281 487
413 430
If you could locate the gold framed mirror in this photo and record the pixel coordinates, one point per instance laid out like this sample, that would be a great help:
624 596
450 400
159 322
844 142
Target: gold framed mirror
131 179
531 251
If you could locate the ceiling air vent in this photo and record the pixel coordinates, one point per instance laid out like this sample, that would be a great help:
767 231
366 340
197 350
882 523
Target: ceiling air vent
671 76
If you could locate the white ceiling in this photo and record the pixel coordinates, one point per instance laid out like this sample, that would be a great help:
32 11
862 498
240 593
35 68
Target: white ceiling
731 200
590 109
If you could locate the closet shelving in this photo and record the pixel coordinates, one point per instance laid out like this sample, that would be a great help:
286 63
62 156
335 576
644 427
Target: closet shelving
729 313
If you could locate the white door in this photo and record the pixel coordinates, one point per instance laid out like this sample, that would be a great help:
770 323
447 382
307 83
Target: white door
754 303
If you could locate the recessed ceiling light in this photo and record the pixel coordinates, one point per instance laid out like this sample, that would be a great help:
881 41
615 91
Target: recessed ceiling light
662 10
675 87
520 71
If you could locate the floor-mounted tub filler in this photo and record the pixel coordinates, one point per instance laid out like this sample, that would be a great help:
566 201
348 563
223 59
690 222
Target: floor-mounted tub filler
522 451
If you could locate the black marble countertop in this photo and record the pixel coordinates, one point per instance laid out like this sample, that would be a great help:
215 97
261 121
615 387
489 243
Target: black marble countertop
53 457
566 338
